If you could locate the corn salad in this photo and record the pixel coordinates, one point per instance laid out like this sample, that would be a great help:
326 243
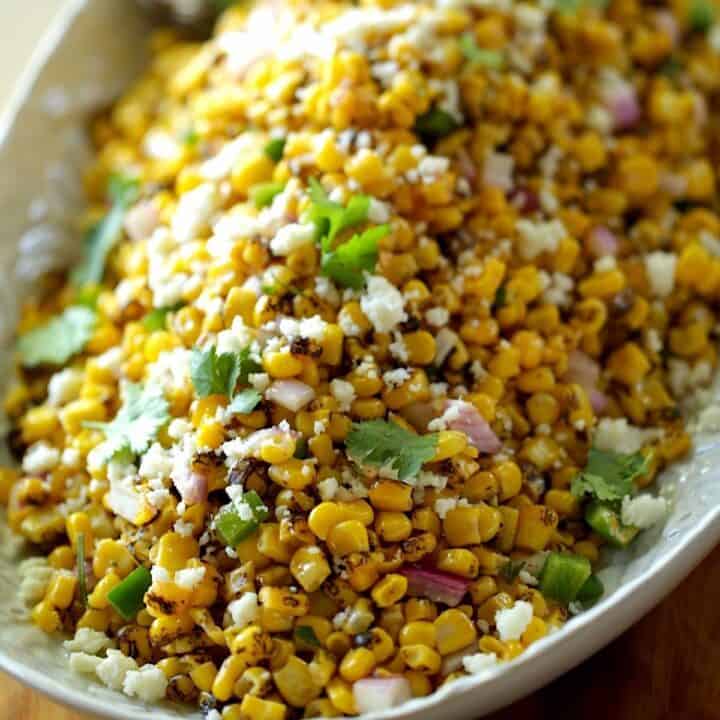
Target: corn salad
381 333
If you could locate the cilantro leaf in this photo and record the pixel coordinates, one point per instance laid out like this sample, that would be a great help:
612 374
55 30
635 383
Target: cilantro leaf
701 15
275 149
214 374
347 263
331 218
245 401
307 635
492 59
144 411
156 319
608 475
101 239
386 444
247 365
511 569
59 339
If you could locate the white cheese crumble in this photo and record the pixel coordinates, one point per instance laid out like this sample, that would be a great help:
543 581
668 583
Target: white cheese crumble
193 212
480 663
190 577
437 316
149 683
512 622
396 378
660 270
383 304
88 641
113 669
539 237
244 610
643 511
619 436
292 237
83 663
328 488
64 386
343 392
40 458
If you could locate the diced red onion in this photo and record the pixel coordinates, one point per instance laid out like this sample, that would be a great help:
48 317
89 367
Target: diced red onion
465 417
622 101
291 394
142 220
435 585
467 167
192 486
498 170
602 242
380 693
584 371
525 200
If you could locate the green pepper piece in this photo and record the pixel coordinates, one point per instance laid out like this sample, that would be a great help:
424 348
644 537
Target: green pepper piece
275 149
605 522
435 124
262 195
232 529
701 16
591 591
563 575
128 597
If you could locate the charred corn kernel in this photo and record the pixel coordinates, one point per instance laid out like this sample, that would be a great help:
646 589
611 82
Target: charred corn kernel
338 643
340 694
536 524
449 444
418 633
391 496
295 683
348 537
482 589
471 525
270 544
393 526
252 644
357 664
284 601
381 644
389 590
309 567
458 561
421 658
261 709
489 608
282 364
505 539
454 631
229 672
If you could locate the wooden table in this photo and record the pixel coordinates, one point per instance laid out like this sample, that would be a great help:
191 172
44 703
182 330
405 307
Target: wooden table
667 667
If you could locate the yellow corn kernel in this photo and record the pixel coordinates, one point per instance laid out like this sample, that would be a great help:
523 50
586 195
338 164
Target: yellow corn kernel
75 413
252 644
78 523
279 449
535 630
46 617
421 658
229 672
393 526
95 619
458 561
259 709
420 347
294 474
391 496
173 550
210 435
324 517
98 597
252 169
471 525
112 555
418 633
341 696
282 364
62 558
347 537
536 524
449 444
61 589
270 544
357 664
389 590
295 683
505 539
509 479
284 601
629 364
309 567
454 631
482 589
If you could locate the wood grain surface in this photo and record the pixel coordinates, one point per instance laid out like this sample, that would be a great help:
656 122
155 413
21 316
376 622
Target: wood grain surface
666 667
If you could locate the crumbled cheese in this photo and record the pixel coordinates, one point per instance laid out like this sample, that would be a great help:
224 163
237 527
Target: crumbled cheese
349 327
445 342
480 663
709 419
444 505
88 641
244 610
437 316
156 462
396 378
619 436
259 381
383 304
190 577
40 458
344 393
643 511
378 212
64 386
660 270
149 683
605 264
328 488
183 528
292 237
498 170
539 237
113 669
83 663
313 328
193 212
431 166
398 348
35 575
512 622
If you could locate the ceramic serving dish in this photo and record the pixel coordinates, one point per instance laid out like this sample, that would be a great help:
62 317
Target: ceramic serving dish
92 50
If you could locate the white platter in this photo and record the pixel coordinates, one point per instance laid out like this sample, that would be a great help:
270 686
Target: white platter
93 49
